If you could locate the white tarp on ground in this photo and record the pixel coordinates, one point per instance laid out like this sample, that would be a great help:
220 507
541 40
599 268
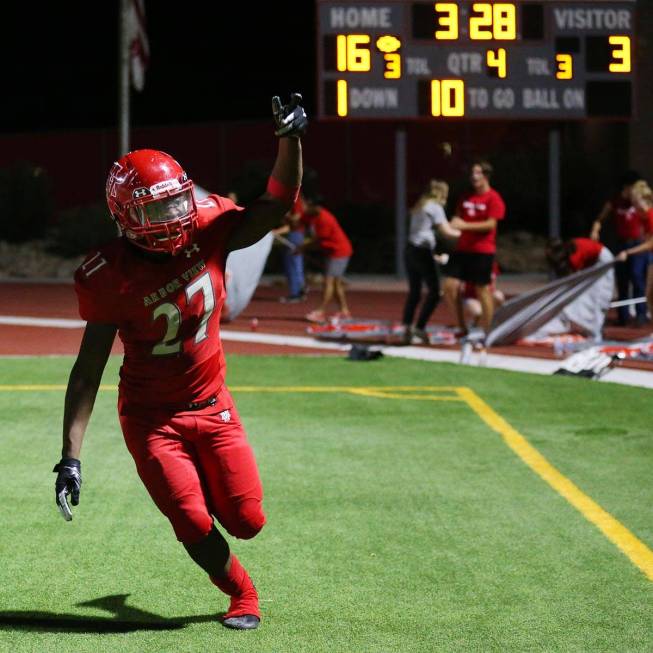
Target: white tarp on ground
528 312
586 314
244 270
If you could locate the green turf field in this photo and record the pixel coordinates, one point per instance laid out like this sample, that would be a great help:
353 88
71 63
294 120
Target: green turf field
398 519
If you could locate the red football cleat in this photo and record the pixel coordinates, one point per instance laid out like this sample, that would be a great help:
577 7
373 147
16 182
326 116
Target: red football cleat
243 611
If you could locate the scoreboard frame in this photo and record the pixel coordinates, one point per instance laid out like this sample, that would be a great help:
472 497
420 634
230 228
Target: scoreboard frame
487 63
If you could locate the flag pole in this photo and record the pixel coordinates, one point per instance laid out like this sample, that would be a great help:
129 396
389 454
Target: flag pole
123 79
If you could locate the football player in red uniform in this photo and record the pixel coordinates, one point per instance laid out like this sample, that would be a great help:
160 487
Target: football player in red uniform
160 286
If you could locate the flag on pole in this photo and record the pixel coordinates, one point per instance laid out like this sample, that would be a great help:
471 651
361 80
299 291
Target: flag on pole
139 48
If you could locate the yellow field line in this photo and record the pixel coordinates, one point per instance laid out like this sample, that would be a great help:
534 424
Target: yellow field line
382 393
343 388
262 389
33 388
638 553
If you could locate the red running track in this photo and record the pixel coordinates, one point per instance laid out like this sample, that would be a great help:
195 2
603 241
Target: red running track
57 300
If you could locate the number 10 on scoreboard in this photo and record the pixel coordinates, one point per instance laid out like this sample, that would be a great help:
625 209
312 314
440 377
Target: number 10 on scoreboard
447 97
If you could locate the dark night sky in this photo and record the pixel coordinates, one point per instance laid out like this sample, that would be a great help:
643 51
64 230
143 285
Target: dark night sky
63 56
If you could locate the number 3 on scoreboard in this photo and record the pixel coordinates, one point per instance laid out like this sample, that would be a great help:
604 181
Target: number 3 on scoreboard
621 54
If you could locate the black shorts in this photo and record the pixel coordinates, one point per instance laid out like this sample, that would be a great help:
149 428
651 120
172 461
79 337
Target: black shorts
470 266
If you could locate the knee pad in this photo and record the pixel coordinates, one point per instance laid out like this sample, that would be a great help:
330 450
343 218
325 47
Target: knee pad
191 526
249 520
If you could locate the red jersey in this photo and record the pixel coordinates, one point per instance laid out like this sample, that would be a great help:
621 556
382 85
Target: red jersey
477 208
586 253
167 311
329 233
628 223
647 221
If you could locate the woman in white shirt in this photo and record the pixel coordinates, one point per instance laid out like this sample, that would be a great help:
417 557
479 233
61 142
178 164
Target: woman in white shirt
426 216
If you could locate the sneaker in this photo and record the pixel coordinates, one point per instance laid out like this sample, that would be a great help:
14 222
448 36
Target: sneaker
342 315
316 316
292 299
420 337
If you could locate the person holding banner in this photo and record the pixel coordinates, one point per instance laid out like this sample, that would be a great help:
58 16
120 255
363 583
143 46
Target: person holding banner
642 198
586 313
630 273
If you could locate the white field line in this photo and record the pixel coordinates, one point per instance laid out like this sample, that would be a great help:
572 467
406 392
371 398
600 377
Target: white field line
274 339
59 323
496 361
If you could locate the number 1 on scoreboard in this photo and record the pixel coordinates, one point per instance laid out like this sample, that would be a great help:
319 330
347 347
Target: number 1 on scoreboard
342 101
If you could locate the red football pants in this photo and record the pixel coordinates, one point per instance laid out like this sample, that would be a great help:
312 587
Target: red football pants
196 468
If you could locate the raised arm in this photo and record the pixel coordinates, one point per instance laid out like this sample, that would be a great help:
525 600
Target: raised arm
266 213
83 385
595 233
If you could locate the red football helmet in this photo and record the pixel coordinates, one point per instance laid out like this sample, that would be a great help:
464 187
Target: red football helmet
152 199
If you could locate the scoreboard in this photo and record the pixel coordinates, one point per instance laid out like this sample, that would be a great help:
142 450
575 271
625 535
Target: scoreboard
526 59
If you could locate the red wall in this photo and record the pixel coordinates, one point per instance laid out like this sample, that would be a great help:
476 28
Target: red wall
355 161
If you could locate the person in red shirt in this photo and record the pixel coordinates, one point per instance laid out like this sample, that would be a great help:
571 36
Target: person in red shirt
477 215
161 287
566 257
631 274
586 313
641 196
642 199
327 235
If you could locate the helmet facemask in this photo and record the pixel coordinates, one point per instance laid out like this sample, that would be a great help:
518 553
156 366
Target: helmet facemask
162 223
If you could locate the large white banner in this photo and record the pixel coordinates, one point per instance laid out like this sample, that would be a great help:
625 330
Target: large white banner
244 270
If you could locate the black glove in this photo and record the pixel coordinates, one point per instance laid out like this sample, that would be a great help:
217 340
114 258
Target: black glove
289 119
69 481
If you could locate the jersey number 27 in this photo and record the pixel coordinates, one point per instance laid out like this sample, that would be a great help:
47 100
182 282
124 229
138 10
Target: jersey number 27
169 344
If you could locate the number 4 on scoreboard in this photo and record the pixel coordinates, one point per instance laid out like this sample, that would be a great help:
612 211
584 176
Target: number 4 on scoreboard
497 59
